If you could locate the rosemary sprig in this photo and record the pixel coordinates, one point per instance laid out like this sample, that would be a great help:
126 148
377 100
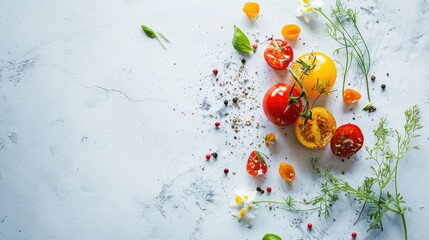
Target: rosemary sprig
376 191
350 40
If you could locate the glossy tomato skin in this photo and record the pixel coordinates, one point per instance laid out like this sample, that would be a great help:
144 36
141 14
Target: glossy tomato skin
256 165
347 140
321 77
278 54
276 101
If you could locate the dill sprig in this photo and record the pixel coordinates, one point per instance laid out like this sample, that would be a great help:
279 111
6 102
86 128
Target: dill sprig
376 191
350 40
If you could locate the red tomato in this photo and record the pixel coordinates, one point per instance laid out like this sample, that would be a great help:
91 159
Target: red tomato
279 54
256 165
347 140
276 101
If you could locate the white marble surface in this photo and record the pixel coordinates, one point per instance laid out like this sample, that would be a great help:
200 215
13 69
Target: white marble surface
103 133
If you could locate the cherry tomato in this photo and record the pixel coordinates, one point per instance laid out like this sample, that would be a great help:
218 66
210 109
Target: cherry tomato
347 140
251 9
276 101
321 78
256 165
318 131
278 54
291 31
286 171
350 96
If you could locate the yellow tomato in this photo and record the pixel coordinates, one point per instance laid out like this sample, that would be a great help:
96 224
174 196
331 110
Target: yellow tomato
319 79
317 131
251 9
286 171
291 31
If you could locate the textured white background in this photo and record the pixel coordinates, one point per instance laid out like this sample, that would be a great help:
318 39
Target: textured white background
102 133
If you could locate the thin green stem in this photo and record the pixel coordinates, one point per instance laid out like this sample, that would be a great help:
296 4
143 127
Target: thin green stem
404 224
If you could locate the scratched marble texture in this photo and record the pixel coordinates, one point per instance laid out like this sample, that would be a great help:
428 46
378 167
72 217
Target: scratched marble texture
103 133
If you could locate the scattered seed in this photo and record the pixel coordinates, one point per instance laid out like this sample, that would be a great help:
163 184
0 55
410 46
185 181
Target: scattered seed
225 102
372 78
383 86
235 100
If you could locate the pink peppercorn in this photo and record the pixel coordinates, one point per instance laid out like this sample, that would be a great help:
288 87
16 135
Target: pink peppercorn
354 234
309 226
217 124
215 71
208 156
226 170
255 46
269 189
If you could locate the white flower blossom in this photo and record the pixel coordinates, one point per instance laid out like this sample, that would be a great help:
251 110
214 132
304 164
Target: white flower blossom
306 8
244 208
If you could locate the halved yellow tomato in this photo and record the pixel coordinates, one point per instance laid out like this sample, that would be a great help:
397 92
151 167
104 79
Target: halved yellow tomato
317 131
321 77
286 171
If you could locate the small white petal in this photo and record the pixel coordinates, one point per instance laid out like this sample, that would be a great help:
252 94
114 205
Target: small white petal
317 3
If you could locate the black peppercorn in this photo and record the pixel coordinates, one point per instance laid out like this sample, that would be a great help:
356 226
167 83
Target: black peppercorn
243 61
383 86
225 102
258 189
235 100
214 155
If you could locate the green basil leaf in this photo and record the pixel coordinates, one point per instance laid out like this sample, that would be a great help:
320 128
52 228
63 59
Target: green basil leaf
271 236
240 41
149 31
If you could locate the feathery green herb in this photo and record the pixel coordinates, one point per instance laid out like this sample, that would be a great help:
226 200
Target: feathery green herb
377 192
350 40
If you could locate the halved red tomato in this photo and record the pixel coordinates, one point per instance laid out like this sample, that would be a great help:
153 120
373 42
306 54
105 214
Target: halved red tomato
276 105
256 165
347 140
279 54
